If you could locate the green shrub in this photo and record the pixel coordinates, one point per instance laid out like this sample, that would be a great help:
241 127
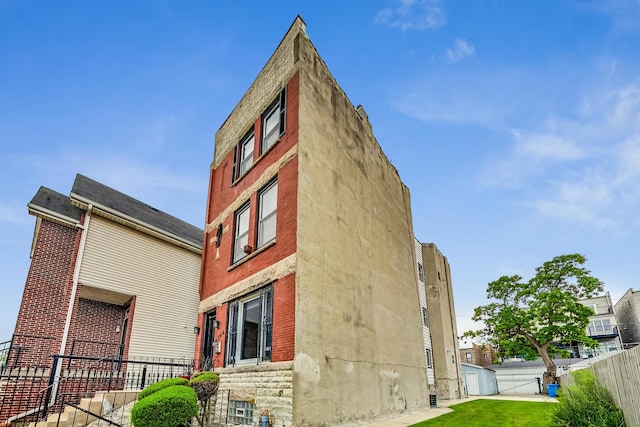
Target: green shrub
586 404
160 385
205 384
171 406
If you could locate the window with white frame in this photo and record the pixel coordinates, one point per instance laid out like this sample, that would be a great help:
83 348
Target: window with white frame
599 327
429 359
241 234
421 273
244 155
273 122
249 328
425 316
267 209
469 357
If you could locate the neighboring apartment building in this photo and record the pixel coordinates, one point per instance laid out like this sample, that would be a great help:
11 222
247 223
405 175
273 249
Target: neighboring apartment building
627 311
602 327
309 304
480 355
442 321
110 277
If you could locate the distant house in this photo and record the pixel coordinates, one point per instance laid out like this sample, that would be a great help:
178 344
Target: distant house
480 355
110 277
627 311
479 381
603 327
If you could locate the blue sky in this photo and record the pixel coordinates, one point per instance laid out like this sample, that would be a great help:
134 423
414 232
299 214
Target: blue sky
516 125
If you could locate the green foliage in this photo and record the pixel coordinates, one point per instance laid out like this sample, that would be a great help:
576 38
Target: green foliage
171 406
160 385
586 404
526 318
205 385
494 413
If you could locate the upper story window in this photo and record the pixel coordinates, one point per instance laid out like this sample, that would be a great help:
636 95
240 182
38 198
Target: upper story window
268 203
241 233
245 153
273 122
469 357
250 327
425 317
429 358
421 273
600 327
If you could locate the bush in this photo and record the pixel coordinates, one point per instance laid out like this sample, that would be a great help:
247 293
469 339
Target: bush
160 385
171 406
205 385
586 404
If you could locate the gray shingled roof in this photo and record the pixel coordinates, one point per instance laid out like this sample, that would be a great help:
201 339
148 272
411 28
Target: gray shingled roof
101 194
56 202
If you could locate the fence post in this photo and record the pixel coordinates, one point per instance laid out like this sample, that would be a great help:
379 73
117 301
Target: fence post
50 392
144 376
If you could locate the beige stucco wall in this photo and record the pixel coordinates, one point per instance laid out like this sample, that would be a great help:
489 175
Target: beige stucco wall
442 320
358 342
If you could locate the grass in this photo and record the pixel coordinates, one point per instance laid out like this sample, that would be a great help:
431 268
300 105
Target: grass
494 413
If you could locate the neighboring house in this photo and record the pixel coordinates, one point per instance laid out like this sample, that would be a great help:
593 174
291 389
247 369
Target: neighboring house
478 380
442 321
602 327
627 311
110 277
309 302
480 355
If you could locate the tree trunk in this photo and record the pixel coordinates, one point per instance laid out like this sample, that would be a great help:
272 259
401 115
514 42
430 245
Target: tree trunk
549 377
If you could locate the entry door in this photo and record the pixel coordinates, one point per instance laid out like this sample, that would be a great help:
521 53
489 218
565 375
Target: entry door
473 387
209 338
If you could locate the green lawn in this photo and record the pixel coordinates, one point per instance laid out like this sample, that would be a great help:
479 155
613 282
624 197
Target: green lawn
493 413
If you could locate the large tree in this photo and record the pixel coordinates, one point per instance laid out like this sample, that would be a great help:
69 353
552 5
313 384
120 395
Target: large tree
538 316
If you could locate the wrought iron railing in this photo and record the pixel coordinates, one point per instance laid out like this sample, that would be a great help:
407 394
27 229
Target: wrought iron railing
33 393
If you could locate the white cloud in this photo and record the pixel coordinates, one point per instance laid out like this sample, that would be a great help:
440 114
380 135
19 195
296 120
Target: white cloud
584 170
461 50
417 15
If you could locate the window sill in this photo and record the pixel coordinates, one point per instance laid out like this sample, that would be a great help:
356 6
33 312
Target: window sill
252 254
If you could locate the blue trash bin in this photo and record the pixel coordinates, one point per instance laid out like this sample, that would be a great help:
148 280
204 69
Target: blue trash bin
552 389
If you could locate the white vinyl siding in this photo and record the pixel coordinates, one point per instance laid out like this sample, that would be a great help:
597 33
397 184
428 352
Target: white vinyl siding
163 277
422 296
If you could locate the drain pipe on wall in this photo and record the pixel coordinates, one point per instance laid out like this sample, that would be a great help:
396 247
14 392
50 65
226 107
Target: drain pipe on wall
72 299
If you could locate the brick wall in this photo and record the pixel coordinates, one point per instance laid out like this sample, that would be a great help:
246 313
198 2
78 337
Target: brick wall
216 274
93 329
46 294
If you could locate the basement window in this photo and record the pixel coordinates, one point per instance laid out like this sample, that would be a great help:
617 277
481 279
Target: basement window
240 412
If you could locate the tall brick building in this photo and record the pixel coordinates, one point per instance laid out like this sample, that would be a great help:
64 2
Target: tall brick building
309 304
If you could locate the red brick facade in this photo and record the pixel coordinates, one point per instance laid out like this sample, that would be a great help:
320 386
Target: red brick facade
216 272
46 294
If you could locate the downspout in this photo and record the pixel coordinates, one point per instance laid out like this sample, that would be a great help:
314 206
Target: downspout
72 298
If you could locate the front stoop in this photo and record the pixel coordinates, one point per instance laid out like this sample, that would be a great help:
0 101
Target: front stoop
72 417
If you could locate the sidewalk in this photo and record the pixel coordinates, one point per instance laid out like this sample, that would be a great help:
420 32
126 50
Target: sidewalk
405 420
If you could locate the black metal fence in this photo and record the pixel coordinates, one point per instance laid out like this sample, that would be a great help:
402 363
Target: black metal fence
33 393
